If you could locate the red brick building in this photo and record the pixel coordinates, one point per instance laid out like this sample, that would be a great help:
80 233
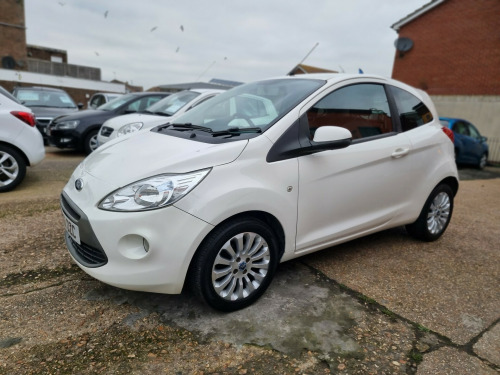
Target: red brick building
28 65
454 55
456 48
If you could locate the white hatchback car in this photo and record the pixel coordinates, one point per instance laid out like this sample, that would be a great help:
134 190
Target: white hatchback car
163 111
261 174
21 144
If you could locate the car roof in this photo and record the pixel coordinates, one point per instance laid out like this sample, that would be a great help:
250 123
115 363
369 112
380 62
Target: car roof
38 88
145 93
332 77
206 91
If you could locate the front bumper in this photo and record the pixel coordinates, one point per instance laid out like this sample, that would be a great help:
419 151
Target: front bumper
62 138
144 251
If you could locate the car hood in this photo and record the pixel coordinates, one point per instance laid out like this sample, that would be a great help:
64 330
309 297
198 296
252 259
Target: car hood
47 112
88 115
149 120
132 158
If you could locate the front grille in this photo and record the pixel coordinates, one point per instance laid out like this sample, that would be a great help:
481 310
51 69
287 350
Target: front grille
89 256
68 209
43 121
106 131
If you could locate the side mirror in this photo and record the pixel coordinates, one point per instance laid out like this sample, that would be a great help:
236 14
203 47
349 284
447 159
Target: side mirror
331 134
80 105
330 138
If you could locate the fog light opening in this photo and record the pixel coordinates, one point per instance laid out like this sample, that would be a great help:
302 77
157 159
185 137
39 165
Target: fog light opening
145 243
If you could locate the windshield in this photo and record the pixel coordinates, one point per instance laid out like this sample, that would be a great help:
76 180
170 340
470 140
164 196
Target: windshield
255 105
171 104
41 98
115 103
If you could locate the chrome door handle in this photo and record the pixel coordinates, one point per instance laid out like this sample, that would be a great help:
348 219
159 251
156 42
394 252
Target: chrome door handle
400 152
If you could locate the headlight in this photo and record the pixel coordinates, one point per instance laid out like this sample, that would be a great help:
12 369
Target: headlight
152 193
70 124
129 128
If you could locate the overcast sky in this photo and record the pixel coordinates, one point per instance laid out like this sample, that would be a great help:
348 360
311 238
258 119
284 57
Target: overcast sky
154 42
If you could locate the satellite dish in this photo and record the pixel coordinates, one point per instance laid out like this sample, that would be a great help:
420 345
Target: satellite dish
8 62
403 44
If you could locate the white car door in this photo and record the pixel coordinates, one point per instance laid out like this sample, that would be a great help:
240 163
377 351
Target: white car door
353 191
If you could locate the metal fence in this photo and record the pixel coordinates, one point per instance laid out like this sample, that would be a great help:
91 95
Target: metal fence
62 69
494 146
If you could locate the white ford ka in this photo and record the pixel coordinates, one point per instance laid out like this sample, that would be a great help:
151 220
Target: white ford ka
260 174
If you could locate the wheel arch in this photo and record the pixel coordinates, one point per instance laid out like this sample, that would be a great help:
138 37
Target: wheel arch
265 217
23 155
452 182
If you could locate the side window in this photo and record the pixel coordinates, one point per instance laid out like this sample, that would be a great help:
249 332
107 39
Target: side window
412 112
461 128
474 133
142 103
152 100
363 109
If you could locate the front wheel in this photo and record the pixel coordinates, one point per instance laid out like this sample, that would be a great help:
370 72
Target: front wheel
435 215
90 143
12 168
483 161
235 264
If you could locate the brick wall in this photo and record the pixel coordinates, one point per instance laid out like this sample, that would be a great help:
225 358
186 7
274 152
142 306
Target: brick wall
44 53
12 31
456 49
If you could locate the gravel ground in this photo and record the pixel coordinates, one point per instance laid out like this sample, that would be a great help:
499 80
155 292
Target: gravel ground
381 305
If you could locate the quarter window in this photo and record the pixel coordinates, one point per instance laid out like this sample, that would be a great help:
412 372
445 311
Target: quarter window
412 112
363 109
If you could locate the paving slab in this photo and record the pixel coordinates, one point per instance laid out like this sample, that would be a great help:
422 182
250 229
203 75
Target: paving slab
449 286
450 361
488 346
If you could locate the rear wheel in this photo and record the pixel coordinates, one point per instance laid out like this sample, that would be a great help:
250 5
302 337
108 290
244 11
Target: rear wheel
235 264
12 168
435 215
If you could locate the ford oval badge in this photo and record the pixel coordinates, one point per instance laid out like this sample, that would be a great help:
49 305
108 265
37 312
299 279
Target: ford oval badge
79 184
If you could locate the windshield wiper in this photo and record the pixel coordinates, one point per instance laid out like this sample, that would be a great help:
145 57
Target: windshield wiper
184 127
237 131
160 113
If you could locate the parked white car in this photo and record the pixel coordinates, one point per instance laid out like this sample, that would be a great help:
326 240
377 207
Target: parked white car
163 111
235 186
21 144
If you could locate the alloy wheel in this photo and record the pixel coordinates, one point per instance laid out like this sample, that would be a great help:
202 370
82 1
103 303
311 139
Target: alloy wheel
9 169
240 266
439 213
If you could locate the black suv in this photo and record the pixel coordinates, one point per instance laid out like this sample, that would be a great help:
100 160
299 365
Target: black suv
79 130
46 104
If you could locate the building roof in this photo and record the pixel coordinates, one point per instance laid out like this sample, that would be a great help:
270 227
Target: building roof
417 13
305 69
213 84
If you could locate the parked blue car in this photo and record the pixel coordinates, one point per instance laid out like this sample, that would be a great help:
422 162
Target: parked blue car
470 145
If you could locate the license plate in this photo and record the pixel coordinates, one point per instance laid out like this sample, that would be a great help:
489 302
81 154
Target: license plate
72 229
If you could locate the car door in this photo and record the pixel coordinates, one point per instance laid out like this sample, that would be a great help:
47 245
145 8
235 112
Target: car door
475 149
362 188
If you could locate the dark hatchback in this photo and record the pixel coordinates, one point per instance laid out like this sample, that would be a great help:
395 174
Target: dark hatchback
46 103
470 146
79 130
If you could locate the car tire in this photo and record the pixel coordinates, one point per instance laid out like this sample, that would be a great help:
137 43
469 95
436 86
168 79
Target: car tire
12 168
435 215
483 161
235 264
90 142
